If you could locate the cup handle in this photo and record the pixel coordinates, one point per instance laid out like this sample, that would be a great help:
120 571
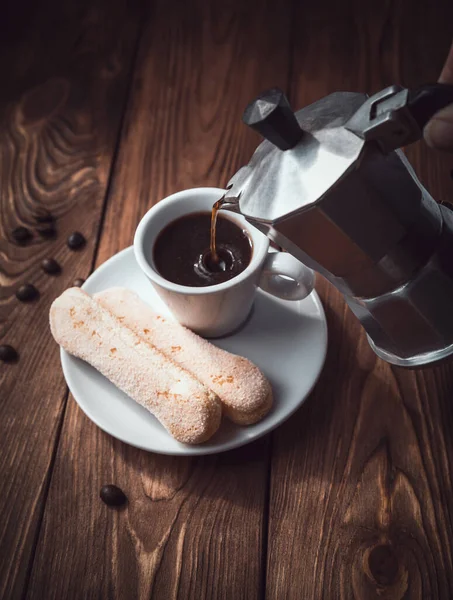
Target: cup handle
286 277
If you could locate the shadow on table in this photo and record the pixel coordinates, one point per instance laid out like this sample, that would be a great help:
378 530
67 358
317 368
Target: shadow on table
362 467
238 476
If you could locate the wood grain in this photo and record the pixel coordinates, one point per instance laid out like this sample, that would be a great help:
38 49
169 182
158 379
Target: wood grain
360 504
61 66
360 488
193 528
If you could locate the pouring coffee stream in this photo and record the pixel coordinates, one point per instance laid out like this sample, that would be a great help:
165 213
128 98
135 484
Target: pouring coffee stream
213 247
330 185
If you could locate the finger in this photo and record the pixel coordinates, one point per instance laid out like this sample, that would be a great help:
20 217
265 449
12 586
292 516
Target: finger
439 131
447 72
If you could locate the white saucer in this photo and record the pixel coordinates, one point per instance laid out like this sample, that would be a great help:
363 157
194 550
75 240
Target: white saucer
287 340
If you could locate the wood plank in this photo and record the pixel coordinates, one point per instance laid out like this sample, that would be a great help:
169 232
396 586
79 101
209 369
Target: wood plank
193 528
361 500
65 69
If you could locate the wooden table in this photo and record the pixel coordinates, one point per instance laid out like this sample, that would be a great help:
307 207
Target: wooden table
106 107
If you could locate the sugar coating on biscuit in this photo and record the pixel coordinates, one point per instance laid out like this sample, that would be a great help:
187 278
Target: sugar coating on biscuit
86 329
244 391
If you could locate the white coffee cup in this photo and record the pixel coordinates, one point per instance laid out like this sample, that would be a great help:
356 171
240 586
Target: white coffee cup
217 310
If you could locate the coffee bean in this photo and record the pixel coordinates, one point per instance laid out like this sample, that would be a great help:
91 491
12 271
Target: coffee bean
21 235
27 293
112 495
76 241
50 266
78 282
8 354
47 232
42 215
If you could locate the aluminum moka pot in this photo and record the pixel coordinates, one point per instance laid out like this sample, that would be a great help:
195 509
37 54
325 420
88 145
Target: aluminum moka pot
330 186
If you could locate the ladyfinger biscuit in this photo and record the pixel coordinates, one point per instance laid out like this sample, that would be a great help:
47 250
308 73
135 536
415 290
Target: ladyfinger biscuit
84 328
245 393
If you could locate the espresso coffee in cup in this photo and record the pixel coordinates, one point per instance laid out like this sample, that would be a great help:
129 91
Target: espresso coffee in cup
218 307
182 251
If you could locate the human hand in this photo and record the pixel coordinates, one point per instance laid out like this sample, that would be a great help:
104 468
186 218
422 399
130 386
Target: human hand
438 132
